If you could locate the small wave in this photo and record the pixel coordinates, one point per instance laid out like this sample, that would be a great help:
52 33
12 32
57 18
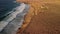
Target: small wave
14 19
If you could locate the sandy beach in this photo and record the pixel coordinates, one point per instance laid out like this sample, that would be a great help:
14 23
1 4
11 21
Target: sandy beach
47 21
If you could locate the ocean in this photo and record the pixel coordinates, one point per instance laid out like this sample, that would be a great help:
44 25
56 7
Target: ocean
11 23
6 7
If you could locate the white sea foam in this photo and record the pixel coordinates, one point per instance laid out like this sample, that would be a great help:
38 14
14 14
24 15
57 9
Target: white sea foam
13 14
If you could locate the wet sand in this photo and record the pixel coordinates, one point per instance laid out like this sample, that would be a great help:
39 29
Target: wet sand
46 22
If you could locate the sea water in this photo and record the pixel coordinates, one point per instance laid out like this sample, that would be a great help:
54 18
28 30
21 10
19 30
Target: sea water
6 6
14 16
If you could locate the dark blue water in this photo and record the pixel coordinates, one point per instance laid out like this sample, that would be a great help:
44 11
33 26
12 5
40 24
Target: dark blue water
6 6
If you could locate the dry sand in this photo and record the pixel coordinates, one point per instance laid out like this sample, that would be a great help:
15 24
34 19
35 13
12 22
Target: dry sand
47 21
